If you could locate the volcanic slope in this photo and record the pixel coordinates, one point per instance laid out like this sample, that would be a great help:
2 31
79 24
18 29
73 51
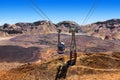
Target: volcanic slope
34 47
102 66
109 29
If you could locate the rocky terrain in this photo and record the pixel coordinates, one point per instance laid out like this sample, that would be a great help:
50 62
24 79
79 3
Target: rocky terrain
66 25
27 28
34 57
22 44
28 51
101 66
109 29
39 27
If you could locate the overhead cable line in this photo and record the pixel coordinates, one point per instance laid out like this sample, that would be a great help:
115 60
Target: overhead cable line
94 7
37 12
37 7
90 12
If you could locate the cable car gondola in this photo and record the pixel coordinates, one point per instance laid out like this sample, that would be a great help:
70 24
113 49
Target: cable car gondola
61 48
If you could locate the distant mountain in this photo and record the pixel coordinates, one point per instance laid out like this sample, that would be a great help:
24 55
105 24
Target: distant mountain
109 29
38 27
66 25
28 28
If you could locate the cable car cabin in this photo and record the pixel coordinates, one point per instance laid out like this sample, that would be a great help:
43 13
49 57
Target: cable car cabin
61 48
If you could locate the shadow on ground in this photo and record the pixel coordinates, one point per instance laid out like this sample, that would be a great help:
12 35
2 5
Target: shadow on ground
20 54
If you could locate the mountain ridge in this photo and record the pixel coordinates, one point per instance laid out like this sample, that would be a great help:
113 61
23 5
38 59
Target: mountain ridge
109 29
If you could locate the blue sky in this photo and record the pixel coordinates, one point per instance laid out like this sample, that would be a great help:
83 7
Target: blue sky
12 11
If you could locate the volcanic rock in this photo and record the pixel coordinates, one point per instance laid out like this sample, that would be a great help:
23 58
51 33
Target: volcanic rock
66 25
109 29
